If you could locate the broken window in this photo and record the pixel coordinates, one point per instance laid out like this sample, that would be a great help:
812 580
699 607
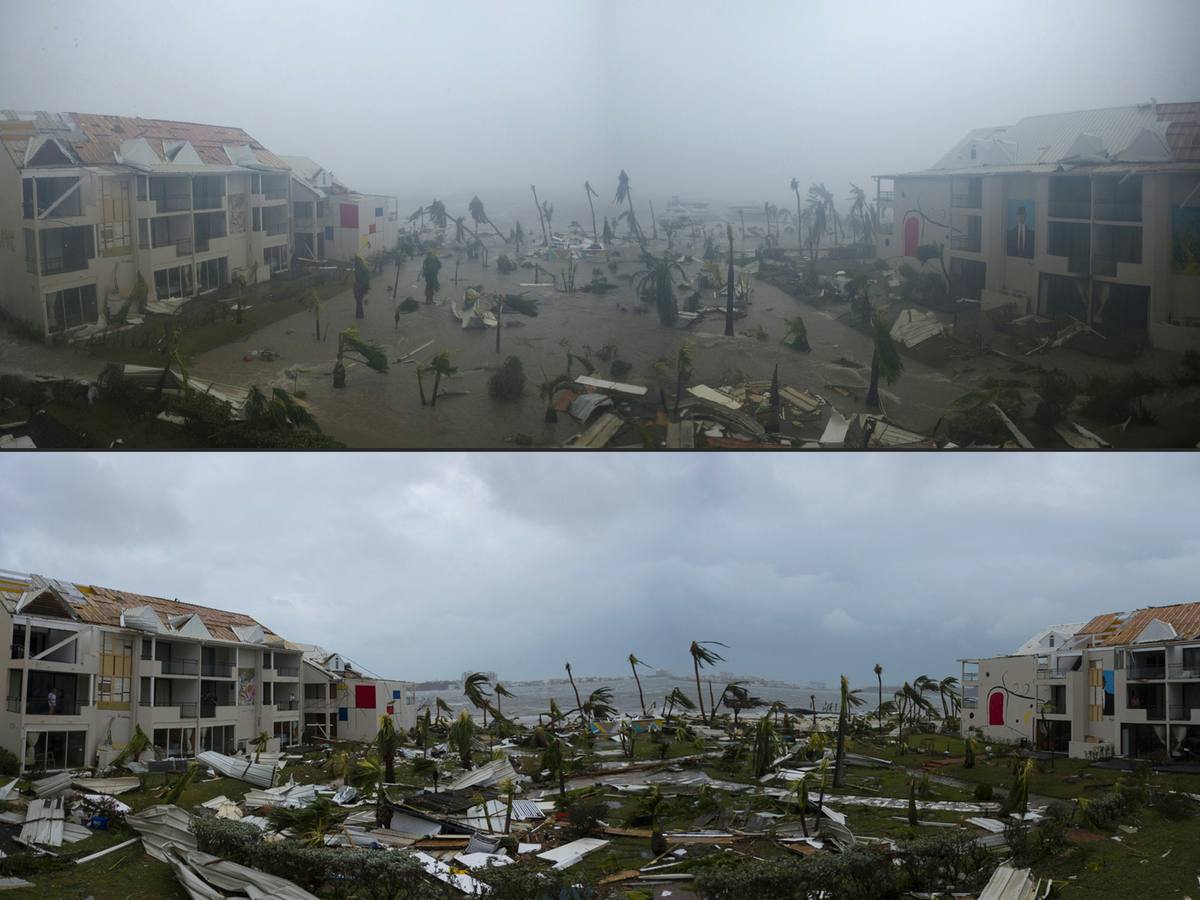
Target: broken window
173 282
114 214
212 273
67 249
72 307
51 196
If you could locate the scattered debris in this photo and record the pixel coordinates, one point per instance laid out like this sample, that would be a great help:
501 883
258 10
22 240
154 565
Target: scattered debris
567 855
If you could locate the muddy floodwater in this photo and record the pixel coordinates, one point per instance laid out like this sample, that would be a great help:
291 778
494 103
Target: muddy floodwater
384 410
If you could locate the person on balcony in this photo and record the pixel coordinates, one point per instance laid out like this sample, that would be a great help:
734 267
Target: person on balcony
51 702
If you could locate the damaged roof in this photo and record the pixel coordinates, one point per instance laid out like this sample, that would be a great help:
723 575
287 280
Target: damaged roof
149 144
1114 629
123 609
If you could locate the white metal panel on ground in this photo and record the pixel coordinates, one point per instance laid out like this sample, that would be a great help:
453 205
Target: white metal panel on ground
111 786
443 873
260 774
568 854
160 826
487 774
633 390
43 823
207 876
1008 883
53 785
704 392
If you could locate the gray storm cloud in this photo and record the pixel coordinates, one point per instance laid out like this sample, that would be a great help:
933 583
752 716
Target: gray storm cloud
425 565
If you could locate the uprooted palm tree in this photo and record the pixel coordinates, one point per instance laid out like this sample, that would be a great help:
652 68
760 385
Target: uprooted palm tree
634 662
885 359
282 411
655 284
476 688
367 352
849 700
703 656
461 737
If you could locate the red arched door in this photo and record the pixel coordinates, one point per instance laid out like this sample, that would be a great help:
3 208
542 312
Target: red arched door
996 708
912 235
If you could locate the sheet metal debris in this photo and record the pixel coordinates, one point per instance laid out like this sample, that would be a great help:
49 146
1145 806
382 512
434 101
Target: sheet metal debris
914 327
487 774
111 786
43 823
445 874
260 774
712 395
207 877
617 387
53 786
567 855
161 827
1009 883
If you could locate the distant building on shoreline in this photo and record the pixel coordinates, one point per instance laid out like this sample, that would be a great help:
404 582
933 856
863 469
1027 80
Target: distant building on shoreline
1092 214
1122 684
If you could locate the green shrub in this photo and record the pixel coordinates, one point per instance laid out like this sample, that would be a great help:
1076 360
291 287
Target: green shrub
9 764
409 305
983 793
860 873
1173 805
584 816
949 860
1057 391
619 368
505 265
1105 811
1115 400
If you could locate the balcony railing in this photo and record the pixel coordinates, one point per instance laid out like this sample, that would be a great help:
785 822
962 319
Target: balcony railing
1118 212
1147 673
1077 265
1104 265
966 201
274 228
887 196
209 201
275 193
1182 712
1153 713
216 670
173 203
208 710
180 666
1056 709
41 707
970 676
289 706
1184 671
187 710
968 243
183 246
1070 209
56 265
288 671
1045 672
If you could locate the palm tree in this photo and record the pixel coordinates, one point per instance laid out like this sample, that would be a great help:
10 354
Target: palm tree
858 208
850 700
387 743
442 707
799 232
367 351
475 689
678 698
879 678
517 237
461 737
426 768
607 234
501 691
702 656
441 366
885 359
260 744
437 213
729 287
599 704
766 746
655 283
571 678
554 759
479 216
683 370
315 304
816 230
948 690
587 187
634 662
545 238
624 194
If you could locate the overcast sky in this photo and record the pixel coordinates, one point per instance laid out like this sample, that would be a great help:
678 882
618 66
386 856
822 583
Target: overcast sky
423 566
719 100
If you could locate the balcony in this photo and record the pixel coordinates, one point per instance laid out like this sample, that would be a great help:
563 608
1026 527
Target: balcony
180 667
1114 211
216 670
209 202
886 227
172 203
1146 673
1183 712
288 671
969 243
887 196
1185 672
1046 672
275 228
291 706
967 201
1055 709
1104 265
217 711
40 707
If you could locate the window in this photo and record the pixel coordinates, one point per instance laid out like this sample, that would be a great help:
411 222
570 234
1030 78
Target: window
144 234
52 751
27 198
72 307
30 252
173 282
143 187
268 693
219 738
320 207
276 258
67 249
176 741
212 273
256 219
379 212
371 229
329 232
51 190
288 733
114 215
302 209
116 672
314 692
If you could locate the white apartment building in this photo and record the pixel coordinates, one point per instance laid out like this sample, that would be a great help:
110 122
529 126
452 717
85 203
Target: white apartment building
342 701
1123 684
1093 214
86 665
89 202
334 222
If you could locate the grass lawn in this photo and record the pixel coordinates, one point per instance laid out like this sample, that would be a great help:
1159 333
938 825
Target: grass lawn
103 422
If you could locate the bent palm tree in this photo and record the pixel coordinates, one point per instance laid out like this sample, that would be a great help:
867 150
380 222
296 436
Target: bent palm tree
587 187
702 656
879 678
461 737
387 743
475 689
634 662
501 691
480 217
571 678
885 359
799 232
677 698
441 366
367 352
599 704
623 195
